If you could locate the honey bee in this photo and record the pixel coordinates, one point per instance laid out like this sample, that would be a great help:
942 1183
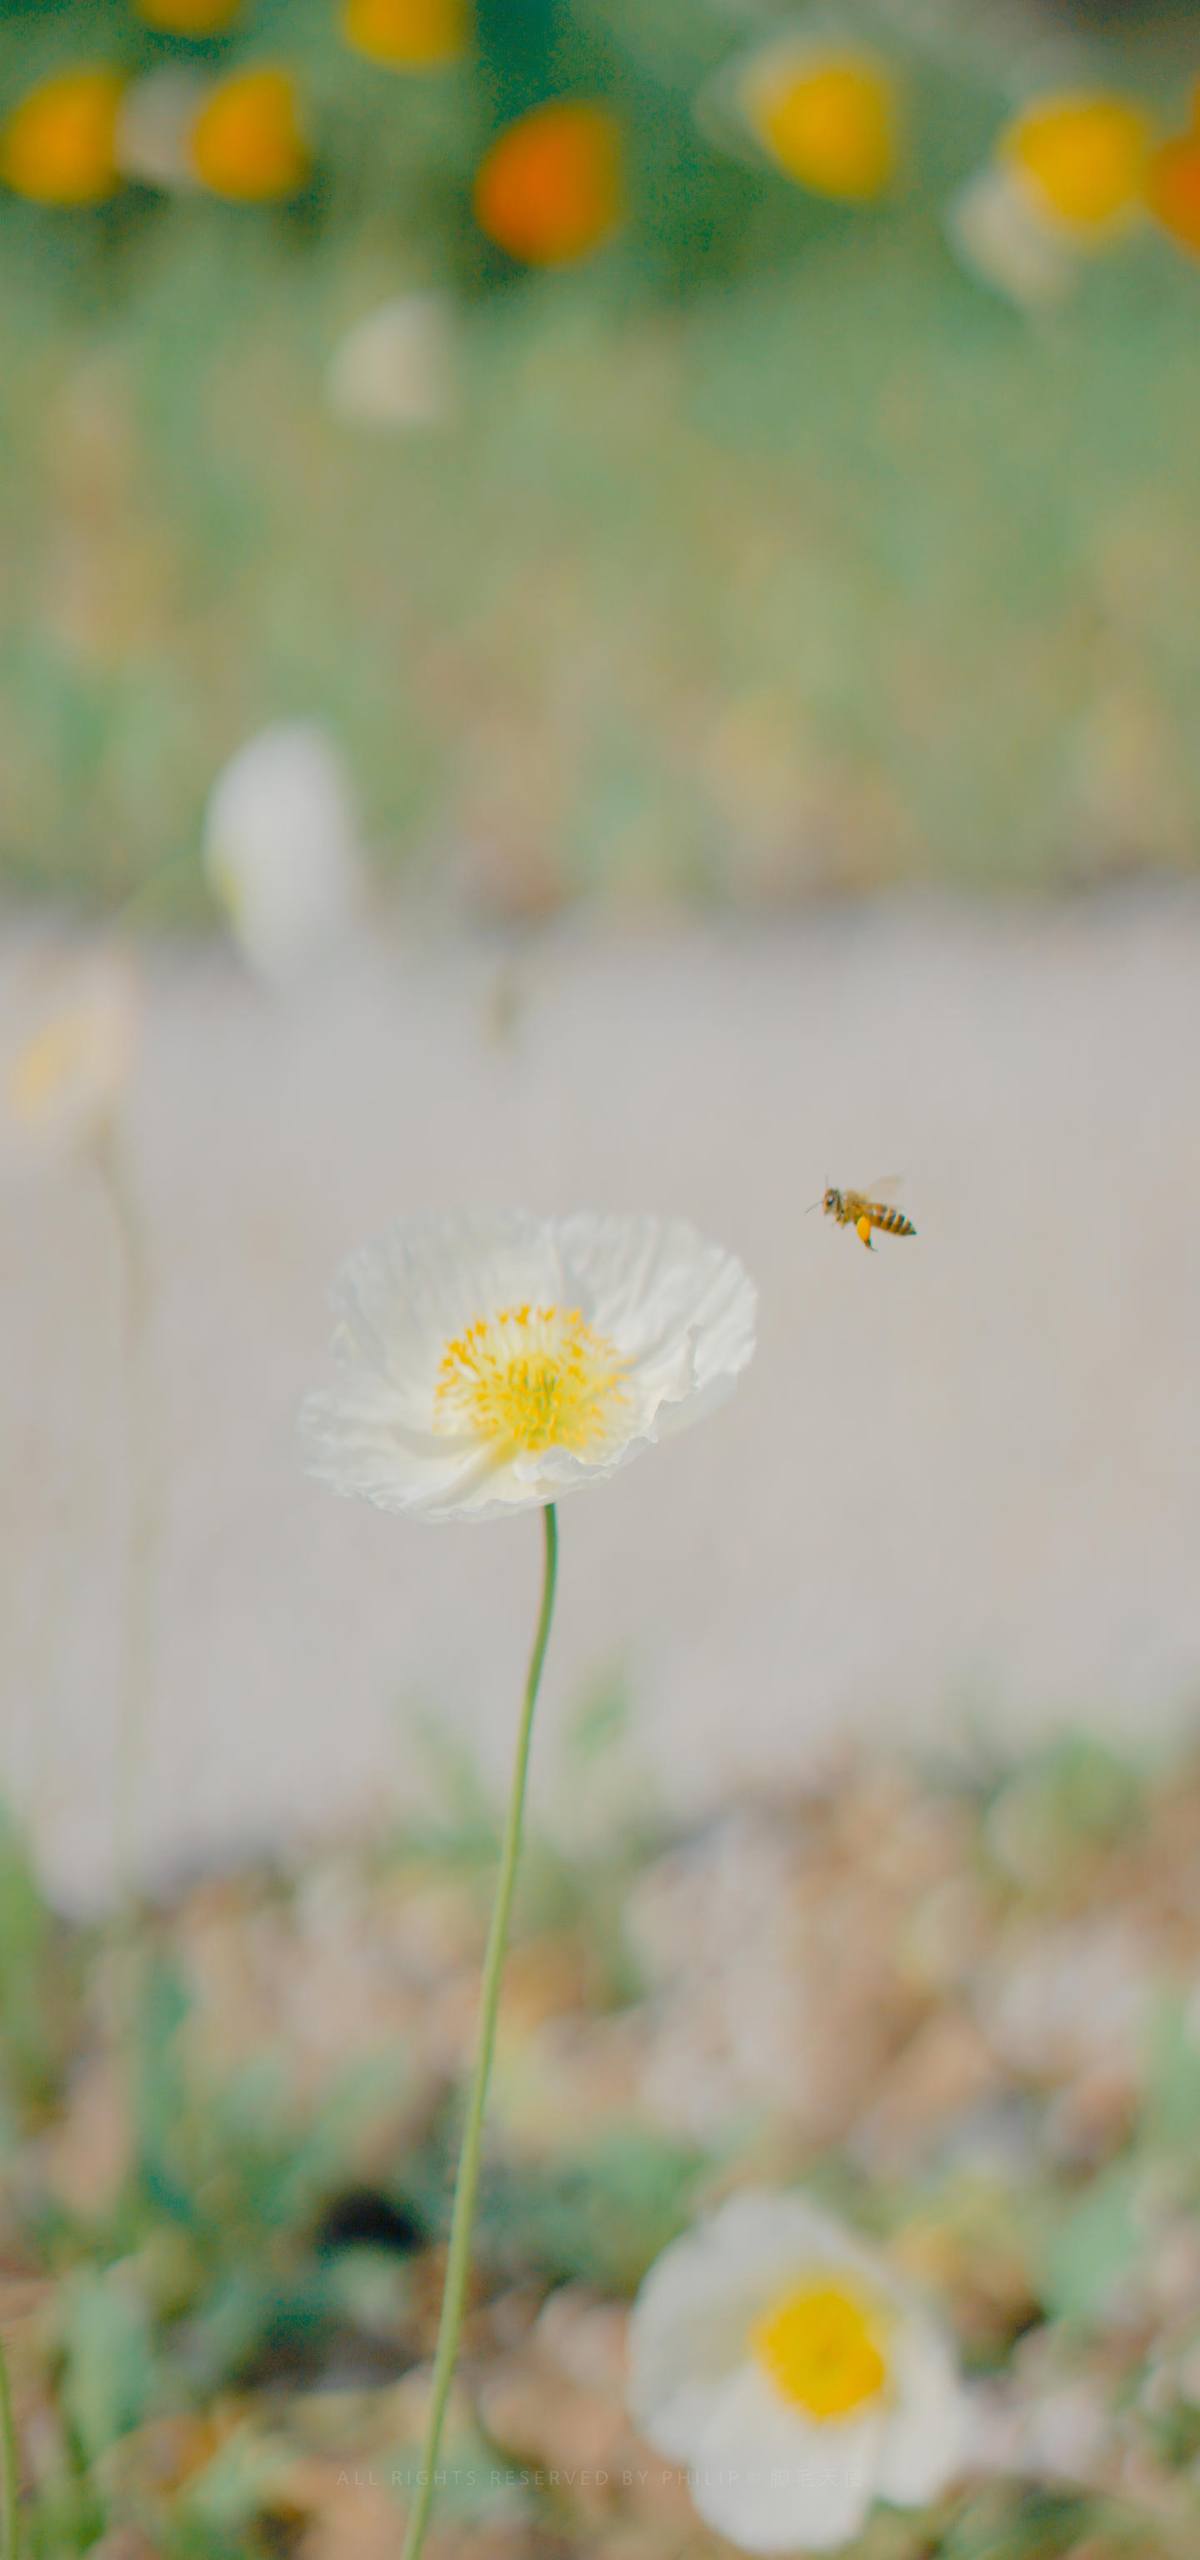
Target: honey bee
854 1209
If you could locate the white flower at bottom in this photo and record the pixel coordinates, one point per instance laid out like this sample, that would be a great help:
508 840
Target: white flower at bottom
282 847
491 1362
795 2376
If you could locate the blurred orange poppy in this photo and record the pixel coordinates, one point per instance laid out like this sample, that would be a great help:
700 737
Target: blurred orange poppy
551 188
830 118
189 17
247 142
1082 158
1173 188
408 35
59 144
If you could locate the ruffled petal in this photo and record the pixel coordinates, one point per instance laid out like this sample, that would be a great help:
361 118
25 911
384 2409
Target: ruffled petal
674 1315
775 2481
926 2433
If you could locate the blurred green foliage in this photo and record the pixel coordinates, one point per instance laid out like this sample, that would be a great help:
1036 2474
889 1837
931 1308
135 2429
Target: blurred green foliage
768 554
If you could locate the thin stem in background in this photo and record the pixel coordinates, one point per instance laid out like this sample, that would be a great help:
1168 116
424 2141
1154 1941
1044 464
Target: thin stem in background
458 2261
133 1705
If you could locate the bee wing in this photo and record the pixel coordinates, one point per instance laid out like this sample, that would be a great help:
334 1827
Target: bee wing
884 1187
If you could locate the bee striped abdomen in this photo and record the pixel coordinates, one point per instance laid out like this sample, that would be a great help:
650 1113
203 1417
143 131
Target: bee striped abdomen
854 1209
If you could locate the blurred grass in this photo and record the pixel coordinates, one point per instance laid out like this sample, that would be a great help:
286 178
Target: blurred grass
769 555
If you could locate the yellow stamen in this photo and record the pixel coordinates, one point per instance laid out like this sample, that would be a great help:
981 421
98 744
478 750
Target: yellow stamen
820 2347
530 1377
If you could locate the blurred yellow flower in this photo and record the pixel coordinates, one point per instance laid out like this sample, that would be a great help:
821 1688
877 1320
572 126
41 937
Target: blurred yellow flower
59 144
551 188
1081 159
73 1060
408 35
247 142
189 17
1173 188
829 117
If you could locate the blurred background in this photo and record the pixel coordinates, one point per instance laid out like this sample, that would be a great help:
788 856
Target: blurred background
598 609
599 606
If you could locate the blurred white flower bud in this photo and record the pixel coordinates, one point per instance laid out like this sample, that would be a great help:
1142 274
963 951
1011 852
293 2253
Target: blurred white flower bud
395 367
283 848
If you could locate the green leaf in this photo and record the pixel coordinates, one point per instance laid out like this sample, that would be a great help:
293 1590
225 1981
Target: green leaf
160 2096
1093 2244
600 1722
108 2367
30 1996
1171 2119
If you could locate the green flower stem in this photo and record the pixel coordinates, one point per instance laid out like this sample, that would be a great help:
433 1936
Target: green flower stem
144 1507
458 2261
8 2467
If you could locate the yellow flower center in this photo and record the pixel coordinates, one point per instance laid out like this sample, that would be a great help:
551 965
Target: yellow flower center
247 142
59 144
830 121
1084 159
189 17
819 2346
408 35
533 1377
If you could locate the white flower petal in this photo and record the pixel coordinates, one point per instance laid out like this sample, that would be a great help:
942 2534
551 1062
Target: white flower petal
154 123
787 2231
675 1314
775 2481
395 367
926 2432
688 2335
282 847
996 233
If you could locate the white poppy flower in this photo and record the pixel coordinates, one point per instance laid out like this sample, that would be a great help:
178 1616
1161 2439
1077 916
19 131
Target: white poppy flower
395 367
282 847
69 1068
796 2377
491 1362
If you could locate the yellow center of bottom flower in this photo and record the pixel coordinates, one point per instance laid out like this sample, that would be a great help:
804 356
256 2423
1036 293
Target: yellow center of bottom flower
820 2348
530 1377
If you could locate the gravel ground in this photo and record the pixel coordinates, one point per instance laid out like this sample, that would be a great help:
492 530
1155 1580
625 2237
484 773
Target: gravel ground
960 1485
